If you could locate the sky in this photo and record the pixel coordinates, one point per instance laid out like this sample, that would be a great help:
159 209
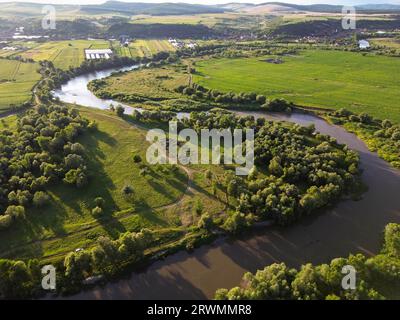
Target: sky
344 2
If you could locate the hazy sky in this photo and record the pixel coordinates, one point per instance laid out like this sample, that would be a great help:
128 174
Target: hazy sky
211 1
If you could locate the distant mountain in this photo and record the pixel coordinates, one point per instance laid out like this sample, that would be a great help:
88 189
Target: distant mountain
151 8
283 6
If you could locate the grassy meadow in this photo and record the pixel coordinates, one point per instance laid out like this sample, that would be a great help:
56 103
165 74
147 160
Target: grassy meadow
154 83
16 82
328 79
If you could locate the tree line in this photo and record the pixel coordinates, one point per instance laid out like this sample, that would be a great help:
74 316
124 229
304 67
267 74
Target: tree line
376 278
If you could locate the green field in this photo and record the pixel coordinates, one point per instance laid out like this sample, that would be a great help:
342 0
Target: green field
328 79
155 84
143 48
16 82
63 54
159 199
387 42
210 19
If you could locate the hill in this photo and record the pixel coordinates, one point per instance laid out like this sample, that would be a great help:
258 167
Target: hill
152 8
268 7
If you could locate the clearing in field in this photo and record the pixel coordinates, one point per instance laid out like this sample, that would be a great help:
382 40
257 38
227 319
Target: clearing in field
16 82
316 78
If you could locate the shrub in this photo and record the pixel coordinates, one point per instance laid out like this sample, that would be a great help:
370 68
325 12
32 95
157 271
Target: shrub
120 111
127 190
99 202
16 212
97 211
5 222
137 158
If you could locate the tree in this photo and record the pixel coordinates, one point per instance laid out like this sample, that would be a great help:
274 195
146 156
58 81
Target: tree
275 167
120 110
99 202
40 199
261 99
97 211
198 207
137 158
127 190
16 212
206 221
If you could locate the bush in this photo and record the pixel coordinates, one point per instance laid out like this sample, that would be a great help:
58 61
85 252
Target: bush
5 222
137 158
99 202
40 199
120 111
127 190
97 211
16 212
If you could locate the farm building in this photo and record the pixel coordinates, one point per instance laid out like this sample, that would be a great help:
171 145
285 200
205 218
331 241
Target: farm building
363 44
92 54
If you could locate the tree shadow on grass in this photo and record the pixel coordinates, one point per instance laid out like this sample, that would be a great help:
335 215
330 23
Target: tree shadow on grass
147 212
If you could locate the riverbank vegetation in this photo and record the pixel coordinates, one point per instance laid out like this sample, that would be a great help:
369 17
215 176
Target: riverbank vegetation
377 278
316 78
123 194
380 136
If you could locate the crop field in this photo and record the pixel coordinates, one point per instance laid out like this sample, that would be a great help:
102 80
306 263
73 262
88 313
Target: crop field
316 78
16 82
64 54
387 42
143 48
158 200
206 19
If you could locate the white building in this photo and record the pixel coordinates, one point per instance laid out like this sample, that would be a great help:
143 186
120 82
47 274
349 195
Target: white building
363 44
91 54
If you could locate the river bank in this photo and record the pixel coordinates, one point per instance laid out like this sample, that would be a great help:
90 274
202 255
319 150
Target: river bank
350 227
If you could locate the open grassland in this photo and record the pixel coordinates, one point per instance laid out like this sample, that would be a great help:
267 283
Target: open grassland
155 83
143 48
316 78
16 82
163 199
64 54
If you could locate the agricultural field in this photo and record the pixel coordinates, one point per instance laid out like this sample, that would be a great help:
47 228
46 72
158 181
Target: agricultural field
143 48
158 200
206 19
64 54
387 42
16 82
316 78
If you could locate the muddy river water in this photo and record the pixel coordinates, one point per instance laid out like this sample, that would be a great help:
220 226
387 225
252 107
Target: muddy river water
350 227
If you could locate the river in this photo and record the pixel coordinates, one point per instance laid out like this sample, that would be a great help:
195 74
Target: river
350 227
